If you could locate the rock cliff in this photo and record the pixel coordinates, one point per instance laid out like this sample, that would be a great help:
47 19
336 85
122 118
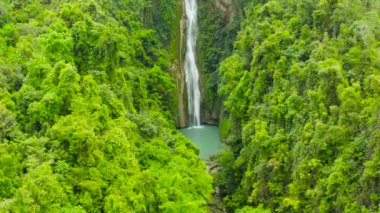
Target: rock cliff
178 71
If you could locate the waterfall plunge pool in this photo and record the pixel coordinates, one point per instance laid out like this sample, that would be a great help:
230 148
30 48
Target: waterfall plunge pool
206 138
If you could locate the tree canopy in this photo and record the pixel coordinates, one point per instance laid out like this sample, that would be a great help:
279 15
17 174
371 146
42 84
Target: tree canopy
302 107
87 108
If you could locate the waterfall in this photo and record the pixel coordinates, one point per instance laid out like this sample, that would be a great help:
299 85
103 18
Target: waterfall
191 71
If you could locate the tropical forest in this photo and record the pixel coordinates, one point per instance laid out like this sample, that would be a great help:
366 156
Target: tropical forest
187 106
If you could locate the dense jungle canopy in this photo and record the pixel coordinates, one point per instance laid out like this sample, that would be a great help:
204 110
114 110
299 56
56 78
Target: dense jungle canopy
89 101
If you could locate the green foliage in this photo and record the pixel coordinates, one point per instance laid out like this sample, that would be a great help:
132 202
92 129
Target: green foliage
248 209
162 16
217 32
87 109
301 91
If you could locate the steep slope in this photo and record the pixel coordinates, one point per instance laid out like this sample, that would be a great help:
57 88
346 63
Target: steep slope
218 27
302 108
87 108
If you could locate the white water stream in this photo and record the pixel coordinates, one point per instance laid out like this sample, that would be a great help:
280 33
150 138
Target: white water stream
191 71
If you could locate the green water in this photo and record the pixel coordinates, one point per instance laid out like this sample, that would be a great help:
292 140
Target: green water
206 138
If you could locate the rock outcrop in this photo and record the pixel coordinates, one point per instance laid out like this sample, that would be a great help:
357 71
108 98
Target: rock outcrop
177 69
225 6
211 116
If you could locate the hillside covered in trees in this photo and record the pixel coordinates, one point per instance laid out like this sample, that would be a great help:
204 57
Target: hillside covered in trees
89 102
87 109
301 93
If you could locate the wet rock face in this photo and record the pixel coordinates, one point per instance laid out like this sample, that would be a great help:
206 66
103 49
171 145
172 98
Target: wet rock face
211 116
179 73
181 120
225 6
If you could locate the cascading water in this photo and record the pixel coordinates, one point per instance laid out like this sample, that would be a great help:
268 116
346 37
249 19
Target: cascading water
191 71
